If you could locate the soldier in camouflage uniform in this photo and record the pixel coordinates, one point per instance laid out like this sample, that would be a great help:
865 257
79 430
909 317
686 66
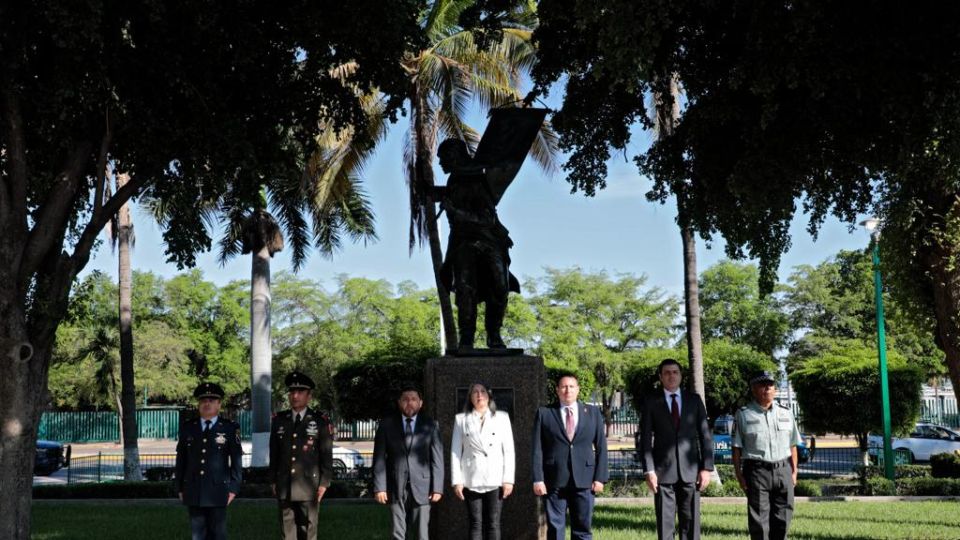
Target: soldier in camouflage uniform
301 460
765 439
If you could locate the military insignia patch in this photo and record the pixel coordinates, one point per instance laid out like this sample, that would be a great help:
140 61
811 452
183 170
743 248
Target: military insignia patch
312 429
280 430
221 438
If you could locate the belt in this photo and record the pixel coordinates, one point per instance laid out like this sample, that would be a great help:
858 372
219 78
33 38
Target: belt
770 465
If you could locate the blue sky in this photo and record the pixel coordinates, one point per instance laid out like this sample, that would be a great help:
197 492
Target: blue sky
617 231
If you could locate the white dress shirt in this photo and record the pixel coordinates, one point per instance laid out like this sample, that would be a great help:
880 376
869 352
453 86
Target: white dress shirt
564 410
668 393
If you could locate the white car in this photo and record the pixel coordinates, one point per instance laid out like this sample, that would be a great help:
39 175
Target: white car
344 459
924 441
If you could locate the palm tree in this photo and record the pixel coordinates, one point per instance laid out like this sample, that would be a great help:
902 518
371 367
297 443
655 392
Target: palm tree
328 192
445 77
120 232
667 105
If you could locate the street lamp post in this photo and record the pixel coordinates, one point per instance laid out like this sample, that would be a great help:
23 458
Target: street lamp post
872 225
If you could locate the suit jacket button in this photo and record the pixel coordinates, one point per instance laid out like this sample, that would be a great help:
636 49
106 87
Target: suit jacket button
204 451
294 435
201 473
203 461
292 471
293 459
294 447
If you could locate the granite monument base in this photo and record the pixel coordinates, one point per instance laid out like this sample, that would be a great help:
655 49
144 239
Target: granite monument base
518 383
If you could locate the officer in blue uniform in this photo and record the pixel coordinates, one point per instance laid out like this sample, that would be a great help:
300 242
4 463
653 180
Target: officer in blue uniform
301 460
209 465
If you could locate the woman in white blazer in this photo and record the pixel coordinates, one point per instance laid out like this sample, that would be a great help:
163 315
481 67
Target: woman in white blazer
482 461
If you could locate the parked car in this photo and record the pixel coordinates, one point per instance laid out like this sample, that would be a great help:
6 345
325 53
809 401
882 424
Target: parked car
51 457
924 441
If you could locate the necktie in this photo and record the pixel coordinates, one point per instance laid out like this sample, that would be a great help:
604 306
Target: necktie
408 432
296 421
571 430
675 411
206 425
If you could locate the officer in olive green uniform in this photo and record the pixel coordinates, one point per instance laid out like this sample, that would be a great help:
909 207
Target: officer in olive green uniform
209 465
765 439
301 460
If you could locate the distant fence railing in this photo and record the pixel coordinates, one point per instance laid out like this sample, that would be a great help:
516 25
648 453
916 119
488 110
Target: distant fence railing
103 426
348 464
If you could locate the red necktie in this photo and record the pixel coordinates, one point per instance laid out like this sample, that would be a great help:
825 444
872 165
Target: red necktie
675 411
570 428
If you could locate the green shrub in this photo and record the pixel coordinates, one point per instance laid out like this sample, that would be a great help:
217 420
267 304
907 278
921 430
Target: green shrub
106 490
808 488
878 486
726 473
929 486
159 474
946 465
900 471
625 488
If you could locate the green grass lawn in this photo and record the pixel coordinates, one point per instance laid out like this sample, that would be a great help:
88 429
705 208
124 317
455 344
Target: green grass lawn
63 520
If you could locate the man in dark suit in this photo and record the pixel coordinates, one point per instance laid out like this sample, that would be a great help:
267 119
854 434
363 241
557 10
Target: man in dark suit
677 450
408 466
569 460
301 460
208 468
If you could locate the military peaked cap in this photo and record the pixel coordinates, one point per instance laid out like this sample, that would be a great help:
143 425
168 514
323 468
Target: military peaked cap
209 390
298 381
762 377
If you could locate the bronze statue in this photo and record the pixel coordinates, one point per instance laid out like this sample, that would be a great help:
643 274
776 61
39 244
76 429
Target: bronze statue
477 263
476 267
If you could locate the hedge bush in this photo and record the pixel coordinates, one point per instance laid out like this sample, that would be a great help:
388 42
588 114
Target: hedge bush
946 465
164 490
900 471
808 488
878 485
929 486
106 490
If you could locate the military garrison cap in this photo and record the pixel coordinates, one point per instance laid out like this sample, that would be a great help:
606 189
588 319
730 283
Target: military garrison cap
762 377
208 390
298 381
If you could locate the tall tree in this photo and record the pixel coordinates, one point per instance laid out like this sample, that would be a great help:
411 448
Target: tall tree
769 122
205 110
733 308
122 236
667 108
590 321
460 63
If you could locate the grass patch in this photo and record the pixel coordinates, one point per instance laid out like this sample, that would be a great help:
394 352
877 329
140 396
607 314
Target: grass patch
252 521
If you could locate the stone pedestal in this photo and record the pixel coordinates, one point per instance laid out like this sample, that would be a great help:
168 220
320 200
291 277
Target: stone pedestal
518 384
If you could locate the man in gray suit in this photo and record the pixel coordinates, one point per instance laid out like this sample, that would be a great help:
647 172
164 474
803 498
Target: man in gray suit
408 466
677 451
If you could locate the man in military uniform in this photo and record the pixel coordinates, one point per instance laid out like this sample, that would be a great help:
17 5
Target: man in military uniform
301 460
765 439
209 469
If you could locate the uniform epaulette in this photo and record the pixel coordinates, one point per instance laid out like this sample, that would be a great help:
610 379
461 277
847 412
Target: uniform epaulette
784 406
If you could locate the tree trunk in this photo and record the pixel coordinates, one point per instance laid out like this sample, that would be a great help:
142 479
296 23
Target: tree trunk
261 365
128 392
691 297
21 387
668 112
946 295
423 169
